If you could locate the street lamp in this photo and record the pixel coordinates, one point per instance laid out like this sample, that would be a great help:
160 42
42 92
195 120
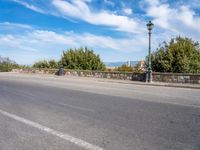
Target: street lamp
149 70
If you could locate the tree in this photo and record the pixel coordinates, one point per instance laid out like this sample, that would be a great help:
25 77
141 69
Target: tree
82 59
180 55
51 64
138 68
7 65
124 68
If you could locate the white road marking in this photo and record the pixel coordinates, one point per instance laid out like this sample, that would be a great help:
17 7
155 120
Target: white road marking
61 135
77 107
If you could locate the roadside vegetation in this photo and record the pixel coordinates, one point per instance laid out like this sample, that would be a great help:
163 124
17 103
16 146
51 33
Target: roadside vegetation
180 55
51 64
7 65
79 59
124 68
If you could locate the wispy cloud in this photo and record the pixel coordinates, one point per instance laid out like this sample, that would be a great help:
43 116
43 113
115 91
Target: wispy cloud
109 2
170 19
28 5
127 11
49 44
181 20
178 17
8 25
80 10
191 3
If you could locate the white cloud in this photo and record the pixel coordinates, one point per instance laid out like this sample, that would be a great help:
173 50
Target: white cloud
188 17
127 11
8 25
35 44
161 14
107 42
27 5
109 2
181 20
44 38
191 3
80 10
169 22
153 2
12 42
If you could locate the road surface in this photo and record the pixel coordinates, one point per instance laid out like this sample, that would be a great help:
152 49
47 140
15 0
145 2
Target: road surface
39 112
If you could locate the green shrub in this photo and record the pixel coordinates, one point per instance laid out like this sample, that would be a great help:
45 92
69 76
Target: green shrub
124 68
51 64
7 65
81 59
180 55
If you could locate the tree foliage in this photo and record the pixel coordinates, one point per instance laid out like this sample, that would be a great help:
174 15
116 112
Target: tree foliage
180 55
124 68
138 68
7 65
51 64
82 59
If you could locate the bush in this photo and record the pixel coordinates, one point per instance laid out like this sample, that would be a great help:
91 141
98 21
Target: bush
7 65
51 64
180 55
124 68
81 59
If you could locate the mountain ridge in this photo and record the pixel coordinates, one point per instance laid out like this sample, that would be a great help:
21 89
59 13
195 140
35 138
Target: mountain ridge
120 63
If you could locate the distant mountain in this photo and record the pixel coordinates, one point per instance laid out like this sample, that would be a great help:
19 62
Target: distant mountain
120 63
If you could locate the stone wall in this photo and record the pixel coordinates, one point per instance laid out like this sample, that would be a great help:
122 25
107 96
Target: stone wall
37 71
157 77
88 73
177 78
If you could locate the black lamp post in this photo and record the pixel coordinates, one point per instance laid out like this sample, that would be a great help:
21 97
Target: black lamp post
149 70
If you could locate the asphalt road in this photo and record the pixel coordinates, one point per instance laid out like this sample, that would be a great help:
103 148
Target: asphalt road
65 113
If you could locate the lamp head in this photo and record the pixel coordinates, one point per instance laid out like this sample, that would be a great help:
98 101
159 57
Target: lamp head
150 25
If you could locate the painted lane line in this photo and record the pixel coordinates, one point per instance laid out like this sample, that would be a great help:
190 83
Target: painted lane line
77 107
61 135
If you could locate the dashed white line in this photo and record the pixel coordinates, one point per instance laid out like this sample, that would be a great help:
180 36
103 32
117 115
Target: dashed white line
61 135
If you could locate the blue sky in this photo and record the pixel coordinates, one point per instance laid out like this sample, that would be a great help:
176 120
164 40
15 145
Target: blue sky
31 30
